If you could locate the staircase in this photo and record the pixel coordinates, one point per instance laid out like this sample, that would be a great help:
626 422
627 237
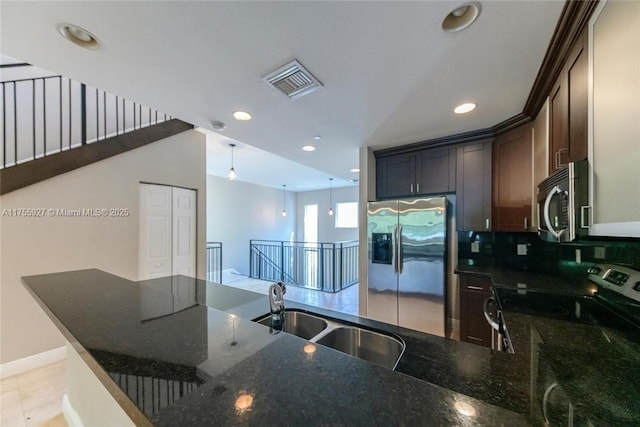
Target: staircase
52 125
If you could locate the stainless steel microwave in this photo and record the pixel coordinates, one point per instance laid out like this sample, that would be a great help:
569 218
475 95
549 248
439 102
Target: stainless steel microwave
562 206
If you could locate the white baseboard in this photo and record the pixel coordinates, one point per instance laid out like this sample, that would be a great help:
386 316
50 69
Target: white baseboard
20 366
70 415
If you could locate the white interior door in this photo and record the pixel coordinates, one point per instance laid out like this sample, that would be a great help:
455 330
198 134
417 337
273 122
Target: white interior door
155 246
167 231
184 232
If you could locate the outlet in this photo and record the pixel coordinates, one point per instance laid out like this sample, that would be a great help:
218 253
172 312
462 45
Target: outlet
522 249
578 256
522 288
475 247
599 252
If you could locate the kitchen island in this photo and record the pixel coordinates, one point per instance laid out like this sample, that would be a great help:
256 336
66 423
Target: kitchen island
181 351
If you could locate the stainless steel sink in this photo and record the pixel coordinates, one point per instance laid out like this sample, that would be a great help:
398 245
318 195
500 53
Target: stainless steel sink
300 324
376 348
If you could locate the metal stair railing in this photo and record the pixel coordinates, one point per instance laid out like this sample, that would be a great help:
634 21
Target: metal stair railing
47 115
328 267
274 272
214 261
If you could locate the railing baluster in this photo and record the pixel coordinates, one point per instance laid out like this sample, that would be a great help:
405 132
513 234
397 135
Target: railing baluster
97 116
70 114
4 127
60 106
117 118
104 112
33 121
44 117
83 114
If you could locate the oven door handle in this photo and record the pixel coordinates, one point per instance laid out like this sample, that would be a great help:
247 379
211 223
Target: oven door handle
545 402
487 316
555 190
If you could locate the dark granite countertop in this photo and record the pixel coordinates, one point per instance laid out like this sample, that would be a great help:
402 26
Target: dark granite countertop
509 278
199 335
569 333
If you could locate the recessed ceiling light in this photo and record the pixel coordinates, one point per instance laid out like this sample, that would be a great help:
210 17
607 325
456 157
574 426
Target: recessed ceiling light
464 108
308 147
242 116
461 17
355 170
317 137
79 36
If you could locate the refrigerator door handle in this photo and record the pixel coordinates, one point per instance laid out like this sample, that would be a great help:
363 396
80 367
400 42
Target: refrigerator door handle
400 257
394 252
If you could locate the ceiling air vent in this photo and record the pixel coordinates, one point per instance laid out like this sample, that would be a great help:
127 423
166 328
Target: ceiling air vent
293 80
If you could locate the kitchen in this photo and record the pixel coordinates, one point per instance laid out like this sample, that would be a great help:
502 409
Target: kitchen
491 247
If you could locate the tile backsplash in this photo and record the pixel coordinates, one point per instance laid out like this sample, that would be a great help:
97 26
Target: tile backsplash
566 259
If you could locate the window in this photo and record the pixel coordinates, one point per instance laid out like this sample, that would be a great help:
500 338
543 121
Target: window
347 215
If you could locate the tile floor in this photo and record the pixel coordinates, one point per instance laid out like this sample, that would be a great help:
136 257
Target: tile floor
34 398
345 301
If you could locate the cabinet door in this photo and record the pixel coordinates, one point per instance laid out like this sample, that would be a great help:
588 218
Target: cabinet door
559 124
473 187
435 171
473 326
395 176
578 86
569 109
512 170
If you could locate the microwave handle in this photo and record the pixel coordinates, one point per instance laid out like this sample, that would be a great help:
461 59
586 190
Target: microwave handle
555 190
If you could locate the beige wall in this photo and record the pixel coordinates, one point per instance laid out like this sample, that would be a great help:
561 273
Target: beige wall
327 231
238 212
51 244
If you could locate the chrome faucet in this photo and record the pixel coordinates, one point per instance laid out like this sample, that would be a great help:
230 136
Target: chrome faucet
276 304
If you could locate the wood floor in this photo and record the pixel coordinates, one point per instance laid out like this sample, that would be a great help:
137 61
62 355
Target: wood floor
34 398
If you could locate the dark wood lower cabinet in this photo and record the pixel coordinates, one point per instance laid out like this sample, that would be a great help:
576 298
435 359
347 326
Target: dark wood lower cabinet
473 326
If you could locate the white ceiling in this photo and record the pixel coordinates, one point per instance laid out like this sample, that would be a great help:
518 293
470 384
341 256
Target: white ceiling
391 76
263 168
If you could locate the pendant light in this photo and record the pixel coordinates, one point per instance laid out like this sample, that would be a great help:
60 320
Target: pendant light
330 196
284 202
232 172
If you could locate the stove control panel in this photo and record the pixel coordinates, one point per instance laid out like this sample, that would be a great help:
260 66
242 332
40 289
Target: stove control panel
621 279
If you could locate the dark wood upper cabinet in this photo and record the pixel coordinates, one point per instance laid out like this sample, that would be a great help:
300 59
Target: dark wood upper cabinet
429 171
568 105
577 79
395 176
473 187
512 186
436 171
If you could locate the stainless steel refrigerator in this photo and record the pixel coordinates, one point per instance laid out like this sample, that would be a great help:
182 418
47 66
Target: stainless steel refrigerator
407 242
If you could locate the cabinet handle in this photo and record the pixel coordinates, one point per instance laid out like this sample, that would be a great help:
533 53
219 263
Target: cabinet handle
556 160
486 223
526 223
475 288
418 187
582 221
411 190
